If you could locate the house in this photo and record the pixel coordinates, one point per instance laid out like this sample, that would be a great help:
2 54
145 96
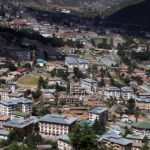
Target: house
21 104
4 94
113 92
99 113
54 124
115 141
26 124
63 142
19 115
49 67
142 103
77 89
41 62
90 85
4 134
12 86
53 81
3 119
23 71
73 62
126 93
23 91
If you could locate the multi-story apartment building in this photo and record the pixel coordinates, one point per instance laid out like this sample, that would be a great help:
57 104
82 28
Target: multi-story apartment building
142 103
89 85
4 94
77 89
126 93
54 124
99 113
21 104
63 142
112 92
115 142
73 62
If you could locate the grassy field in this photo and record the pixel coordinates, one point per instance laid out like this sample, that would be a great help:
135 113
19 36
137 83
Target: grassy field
29 81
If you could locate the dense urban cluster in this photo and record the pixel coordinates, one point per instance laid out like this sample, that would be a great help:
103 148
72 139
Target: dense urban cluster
71 86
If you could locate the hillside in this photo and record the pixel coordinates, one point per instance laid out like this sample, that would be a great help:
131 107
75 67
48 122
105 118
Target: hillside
87 7
135 17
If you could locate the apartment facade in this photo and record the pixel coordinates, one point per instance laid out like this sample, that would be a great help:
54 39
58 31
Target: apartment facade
21 104
99 113
63 142
142 103
55 125
126 93
112 92
77 89
89 85
4 94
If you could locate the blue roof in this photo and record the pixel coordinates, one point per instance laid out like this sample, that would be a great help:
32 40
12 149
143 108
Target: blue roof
4 132
126 89
15 101
148 66
82 61
89 80
147 100
64 137
88 122
41 60
11 83
115 138
113 89
59 119
147 89
71 60
98 110
107 61
49 91
17 123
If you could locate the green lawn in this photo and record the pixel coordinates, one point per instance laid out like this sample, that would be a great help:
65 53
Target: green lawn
29 80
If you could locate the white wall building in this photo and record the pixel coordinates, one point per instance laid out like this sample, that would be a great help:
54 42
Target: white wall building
89 85
63 143
21 104
112 92
54 124
99 113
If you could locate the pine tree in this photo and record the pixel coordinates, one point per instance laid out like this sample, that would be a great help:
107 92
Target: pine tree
83 136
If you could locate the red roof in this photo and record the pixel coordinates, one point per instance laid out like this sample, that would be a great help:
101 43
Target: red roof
4 118
22 70
137 70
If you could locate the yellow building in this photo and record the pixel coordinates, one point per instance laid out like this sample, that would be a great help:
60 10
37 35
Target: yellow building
143 103
49 67
115 142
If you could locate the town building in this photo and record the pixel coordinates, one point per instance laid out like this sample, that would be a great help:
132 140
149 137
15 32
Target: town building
142 103
4 134
53 81
4 94
115 141
21 104
54 124
113 92
99 113
63 142
126 93
3 119
77 89
90 85
49 67
26 124
73 62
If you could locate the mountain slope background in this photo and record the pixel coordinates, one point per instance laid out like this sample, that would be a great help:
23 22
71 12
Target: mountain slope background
135 17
